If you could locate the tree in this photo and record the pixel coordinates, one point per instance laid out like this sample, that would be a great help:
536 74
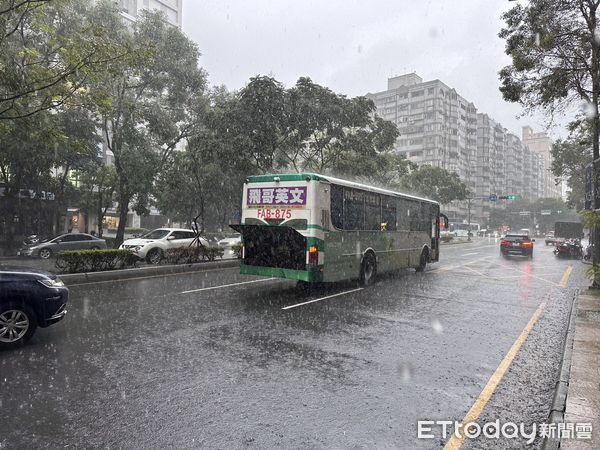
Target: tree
569 160
555 54
436 183
149 104
49 50
206 178
97 186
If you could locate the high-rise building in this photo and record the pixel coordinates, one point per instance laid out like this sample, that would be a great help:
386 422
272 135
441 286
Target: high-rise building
171 8
437 127
541 144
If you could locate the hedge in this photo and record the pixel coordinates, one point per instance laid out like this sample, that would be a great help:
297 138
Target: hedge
237 250
189 255
79 261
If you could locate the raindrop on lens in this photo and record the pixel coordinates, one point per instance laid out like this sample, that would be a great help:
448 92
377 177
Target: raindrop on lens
437 326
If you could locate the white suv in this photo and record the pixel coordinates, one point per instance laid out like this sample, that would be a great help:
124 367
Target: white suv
153 245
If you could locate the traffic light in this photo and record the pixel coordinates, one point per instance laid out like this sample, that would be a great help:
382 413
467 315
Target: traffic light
559 211
508 197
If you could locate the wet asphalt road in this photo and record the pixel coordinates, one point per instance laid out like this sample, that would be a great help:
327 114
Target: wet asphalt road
169 362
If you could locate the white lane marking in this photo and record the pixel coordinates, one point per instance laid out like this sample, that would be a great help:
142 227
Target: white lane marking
322 298
456 266
226 285
469 254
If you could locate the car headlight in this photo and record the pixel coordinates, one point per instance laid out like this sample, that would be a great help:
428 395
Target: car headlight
138 248
52 283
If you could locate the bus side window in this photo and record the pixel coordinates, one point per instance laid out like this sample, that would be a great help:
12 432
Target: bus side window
415 216
403 214
337 206
388 213
372 212
354 214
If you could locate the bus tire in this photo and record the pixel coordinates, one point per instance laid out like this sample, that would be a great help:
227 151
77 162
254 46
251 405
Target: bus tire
304 287
368 270
422 261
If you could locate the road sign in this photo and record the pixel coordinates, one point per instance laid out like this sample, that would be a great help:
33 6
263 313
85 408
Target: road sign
545 212
493 197
524 213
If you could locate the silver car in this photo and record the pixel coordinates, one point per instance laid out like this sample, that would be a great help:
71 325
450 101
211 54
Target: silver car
69 241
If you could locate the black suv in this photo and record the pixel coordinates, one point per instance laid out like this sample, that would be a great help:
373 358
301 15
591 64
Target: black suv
28 298
517 244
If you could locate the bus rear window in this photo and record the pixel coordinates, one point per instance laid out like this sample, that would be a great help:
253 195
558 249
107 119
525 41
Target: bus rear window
296 224
253 221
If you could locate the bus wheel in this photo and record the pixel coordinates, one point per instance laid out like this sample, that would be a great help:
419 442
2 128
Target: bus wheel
368 270
422 261
304 287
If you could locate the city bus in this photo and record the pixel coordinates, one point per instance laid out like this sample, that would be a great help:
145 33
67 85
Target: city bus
316 228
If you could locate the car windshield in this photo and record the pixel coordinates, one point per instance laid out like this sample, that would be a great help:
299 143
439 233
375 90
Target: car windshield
155 234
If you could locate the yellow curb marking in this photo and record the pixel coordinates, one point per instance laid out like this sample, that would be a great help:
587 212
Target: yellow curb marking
456 441
565 278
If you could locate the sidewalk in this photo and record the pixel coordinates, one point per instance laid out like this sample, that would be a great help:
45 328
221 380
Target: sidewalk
583 396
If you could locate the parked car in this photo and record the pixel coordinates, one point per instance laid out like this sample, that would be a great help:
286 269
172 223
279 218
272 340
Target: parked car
517 244
29 298
229 243
153 245
70 241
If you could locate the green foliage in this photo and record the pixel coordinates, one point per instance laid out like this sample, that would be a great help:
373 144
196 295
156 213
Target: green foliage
510 214
555 58
193 254
593 273
237 250
591 219
156 102
435 183
49 51
80 261
570 157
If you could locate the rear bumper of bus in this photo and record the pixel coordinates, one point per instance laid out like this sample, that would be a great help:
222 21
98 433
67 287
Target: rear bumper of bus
312 275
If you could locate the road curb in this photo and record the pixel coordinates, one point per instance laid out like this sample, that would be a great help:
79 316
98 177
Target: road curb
559 402
123 274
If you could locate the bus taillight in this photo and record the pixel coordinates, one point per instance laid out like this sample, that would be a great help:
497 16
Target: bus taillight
313 255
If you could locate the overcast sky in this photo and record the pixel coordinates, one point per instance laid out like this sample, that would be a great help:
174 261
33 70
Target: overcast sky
353 47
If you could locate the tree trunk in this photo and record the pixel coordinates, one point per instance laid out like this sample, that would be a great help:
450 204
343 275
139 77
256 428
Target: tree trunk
124 199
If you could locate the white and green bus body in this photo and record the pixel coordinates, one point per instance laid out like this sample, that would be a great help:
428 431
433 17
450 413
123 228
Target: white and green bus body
317 228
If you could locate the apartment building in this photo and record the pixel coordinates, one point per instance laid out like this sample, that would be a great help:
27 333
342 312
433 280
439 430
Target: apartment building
437 127
542 144
172 9
441 128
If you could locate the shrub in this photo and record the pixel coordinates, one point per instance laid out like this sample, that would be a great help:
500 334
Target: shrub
194 254
237 249
79 261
